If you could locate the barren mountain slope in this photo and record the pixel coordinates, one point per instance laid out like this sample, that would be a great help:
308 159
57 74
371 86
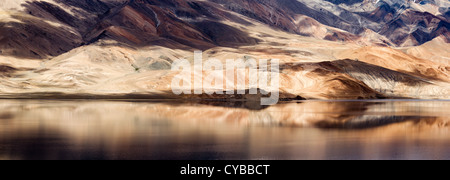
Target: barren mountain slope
197 24
125 48
437 50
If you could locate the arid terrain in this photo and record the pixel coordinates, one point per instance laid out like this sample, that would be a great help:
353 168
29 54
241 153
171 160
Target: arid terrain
328 49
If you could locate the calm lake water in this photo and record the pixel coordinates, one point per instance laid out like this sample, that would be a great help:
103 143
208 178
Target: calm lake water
170 130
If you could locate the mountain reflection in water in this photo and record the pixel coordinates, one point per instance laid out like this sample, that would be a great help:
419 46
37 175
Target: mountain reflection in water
171 130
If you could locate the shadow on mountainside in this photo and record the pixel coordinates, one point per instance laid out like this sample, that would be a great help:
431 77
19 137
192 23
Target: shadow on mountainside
183 25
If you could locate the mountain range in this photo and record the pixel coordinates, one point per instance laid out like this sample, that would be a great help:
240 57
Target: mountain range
329 49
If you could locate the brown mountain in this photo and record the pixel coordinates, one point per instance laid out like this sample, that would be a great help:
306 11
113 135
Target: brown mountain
198 24
114 48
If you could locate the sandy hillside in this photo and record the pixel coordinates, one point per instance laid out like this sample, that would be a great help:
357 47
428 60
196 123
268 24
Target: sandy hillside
125 49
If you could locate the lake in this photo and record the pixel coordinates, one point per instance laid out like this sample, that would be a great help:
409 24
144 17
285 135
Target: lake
81 129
